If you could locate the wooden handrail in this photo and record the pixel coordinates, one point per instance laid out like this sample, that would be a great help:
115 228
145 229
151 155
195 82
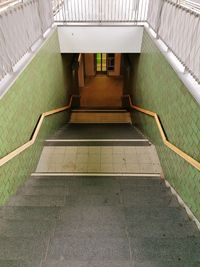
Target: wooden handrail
178 151
32 140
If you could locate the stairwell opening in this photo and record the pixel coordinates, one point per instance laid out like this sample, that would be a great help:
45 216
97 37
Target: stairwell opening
100 78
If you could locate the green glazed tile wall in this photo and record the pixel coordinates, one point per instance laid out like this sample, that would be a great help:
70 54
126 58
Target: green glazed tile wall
42 86
155 86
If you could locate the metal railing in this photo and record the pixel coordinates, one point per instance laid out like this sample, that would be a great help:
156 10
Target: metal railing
192 5
80 11
21 25
36 131
195 163
8 3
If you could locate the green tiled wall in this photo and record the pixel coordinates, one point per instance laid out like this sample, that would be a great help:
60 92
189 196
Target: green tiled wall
155 86
42 86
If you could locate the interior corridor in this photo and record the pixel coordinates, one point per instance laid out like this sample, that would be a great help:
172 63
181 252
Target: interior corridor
102 91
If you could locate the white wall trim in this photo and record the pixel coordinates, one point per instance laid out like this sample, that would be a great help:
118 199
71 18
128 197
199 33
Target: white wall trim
104 39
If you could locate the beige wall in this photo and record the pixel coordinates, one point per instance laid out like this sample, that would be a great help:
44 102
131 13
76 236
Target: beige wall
81 78
117 69
89 65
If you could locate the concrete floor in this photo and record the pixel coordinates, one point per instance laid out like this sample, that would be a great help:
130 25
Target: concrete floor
102 91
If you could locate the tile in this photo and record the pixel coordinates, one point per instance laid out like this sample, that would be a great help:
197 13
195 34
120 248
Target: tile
58 158
144 158
106 158
130 150
94 159
107 167
131 158
71 150
82 159
82 150
81 167
59 150
48 150
118 150
118 167
106 150
118 159
133 168
42 166
147 168
96 167
94 150
51 168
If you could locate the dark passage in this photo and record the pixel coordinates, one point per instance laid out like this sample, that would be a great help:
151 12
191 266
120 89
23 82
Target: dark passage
98 131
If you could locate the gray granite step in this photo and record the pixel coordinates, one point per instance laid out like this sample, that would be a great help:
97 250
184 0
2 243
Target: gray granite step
96 222
64 263
173 249
97 131
37 201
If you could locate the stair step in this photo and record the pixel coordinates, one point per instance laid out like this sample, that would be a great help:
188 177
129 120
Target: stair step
158 229
100 117
30 213
30 250
44 190
26 228
124 182
99 110
96 142
37 201
97 263
98 131
179 250
166 263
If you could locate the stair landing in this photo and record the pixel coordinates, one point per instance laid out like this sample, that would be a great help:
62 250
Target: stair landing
100 117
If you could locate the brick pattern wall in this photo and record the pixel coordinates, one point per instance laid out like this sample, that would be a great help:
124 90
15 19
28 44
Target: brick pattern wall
155 86
42 86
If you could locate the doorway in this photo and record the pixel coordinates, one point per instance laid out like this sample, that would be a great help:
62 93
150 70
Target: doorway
101 63
103 81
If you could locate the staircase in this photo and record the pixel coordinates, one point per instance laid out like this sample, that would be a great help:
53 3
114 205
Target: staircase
97 199
100 116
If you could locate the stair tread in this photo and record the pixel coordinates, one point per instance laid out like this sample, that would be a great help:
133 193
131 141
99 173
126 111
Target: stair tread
87 220
97 131
100 117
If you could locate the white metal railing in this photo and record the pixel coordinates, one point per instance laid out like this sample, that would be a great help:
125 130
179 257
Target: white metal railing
101 10
178 26
21 25
192 5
